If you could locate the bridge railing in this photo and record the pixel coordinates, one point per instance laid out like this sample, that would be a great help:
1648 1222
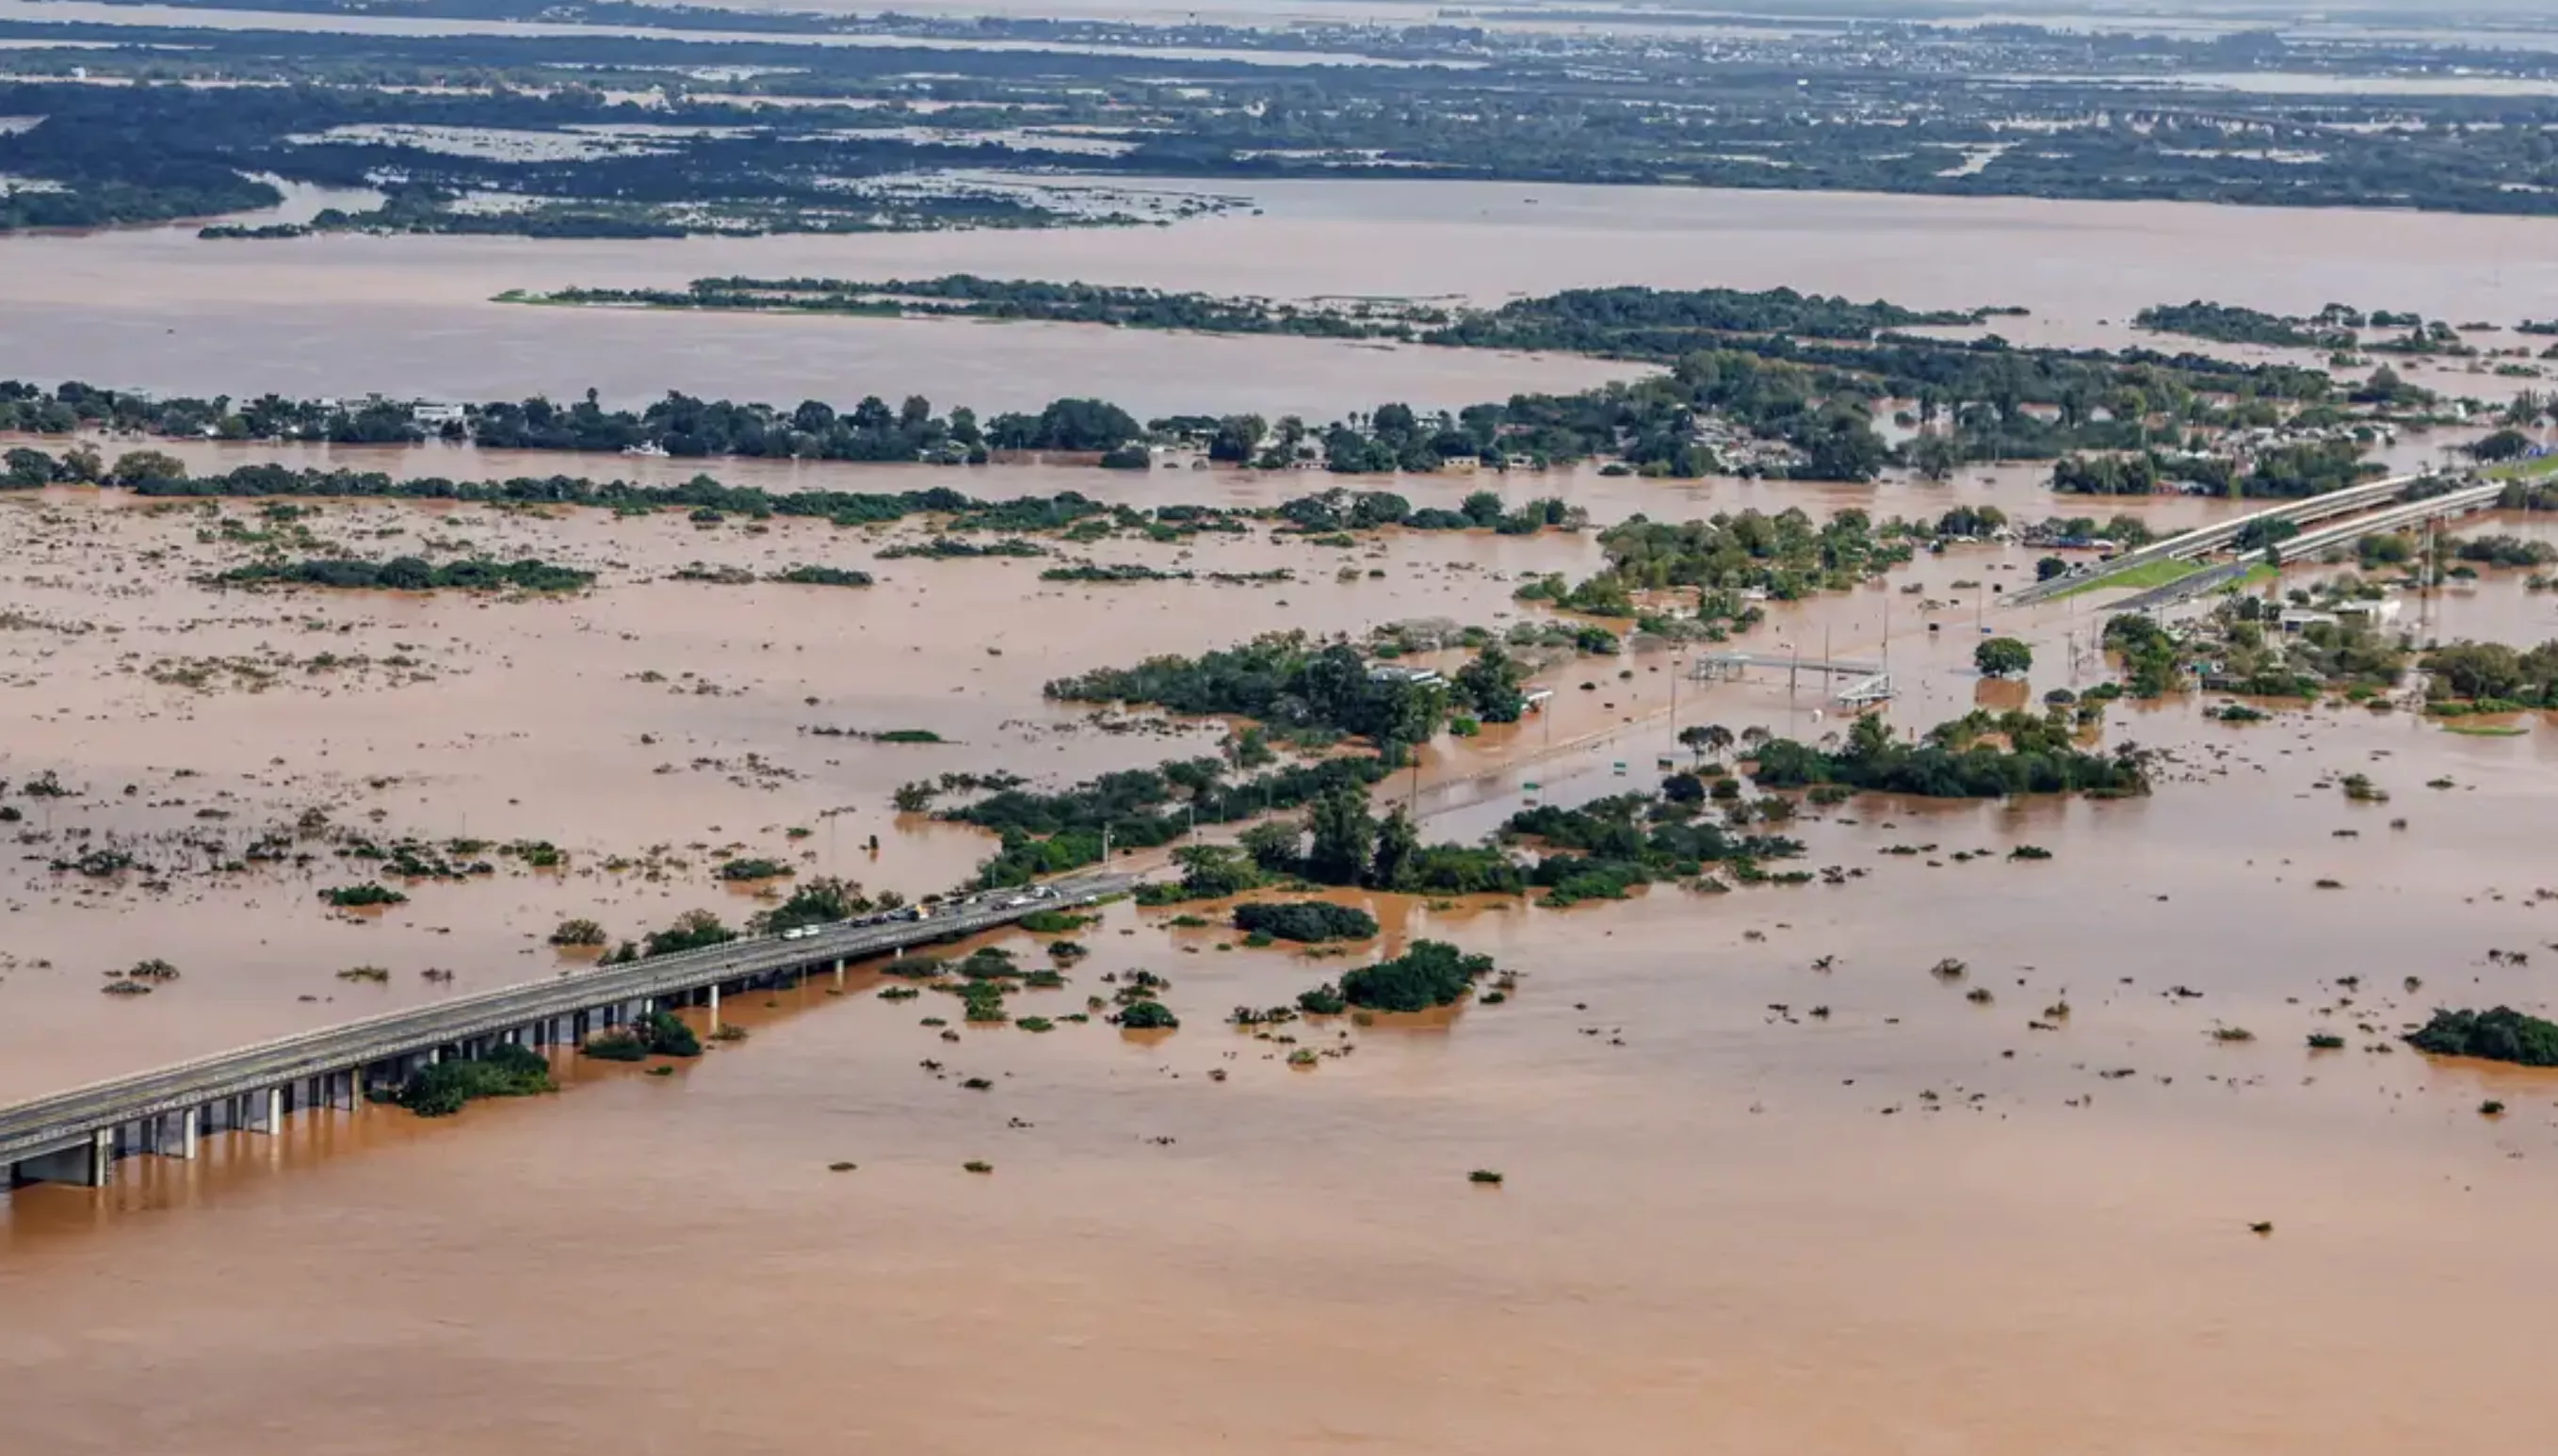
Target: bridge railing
31 1124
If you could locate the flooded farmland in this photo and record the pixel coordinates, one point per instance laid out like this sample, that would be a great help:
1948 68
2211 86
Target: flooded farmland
1767 1182
1674 1247
413 317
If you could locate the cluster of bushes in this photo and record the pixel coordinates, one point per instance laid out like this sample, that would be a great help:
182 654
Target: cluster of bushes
1146 1016
1954 761
2501 1035
1632 840
1788 555
1309 921
821 576
1335 510
2483 671
509 1070
1431 973
1286 680
410 574
657 1034
694 929
821 901
1051 834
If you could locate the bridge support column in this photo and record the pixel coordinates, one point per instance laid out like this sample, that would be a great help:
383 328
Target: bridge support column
190 1123
839 973
90 1164
266 1110
712 1000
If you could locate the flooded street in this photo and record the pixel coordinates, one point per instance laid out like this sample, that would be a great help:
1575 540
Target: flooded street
1768 1185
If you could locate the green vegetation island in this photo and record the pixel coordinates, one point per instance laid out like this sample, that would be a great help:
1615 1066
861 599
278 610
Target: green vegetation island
1611 322
2501 1035
1736 393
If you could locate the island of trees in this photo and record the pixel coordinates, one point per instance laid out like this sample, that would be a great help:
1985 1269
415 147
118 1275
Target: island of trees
2501 1035
1741 393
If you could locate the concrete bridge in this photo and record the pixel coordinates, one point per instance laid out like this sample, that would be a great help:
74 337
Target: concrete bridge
2204 540
76 1137
2309 544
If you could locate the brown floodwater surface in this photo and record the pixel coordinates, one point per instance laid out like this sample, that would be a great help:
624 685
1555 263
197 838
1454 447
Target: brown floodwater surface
1914 1223
157 309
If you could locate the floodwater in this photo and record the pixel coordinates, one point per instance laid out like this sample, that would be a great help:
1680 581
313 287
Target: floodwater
1915 1223
413 317
1912 1223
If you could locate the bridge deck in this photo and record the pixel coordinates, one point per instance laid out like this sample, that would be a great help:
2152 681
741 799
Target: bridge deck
64 1119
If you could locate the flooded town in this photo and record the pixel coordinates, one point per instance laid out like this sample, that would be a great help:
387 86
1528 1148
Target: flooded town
1422 801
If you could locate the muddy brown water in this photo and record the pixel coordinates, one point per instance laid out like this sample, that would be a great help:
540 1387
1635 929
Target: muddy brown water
1914 1225
411 317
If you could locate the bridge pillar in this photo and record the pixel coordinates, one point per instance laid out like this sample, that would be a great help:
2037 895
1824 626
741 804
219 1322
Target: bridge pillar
190 1123
90 1164
839 973
266 1112
712 1000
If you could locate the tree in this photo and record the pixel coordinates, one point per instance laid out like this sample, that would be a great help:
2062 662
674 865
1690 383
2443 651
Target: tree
1344 836
2050 567
1706 739
1237 438
1935 457
146 466
821 901
1868 738
1215 871
1398 839
1491 684
26 469
1431 973
1272 845
2506 444
2477 669
692 930
2003 657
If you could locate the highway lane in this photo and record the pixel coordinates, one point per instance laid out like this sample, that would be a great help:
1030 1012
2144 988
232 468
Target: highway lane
2203 539
64 1119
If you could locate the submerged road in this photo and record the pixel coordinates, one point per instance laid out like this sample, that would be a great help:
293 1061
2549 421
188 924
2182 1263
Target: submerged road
76 1135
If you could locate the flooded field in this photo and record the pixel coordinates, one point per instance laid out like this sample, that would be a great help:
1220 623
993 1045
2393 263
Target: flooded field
1678 1246
411 317
1768 1185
